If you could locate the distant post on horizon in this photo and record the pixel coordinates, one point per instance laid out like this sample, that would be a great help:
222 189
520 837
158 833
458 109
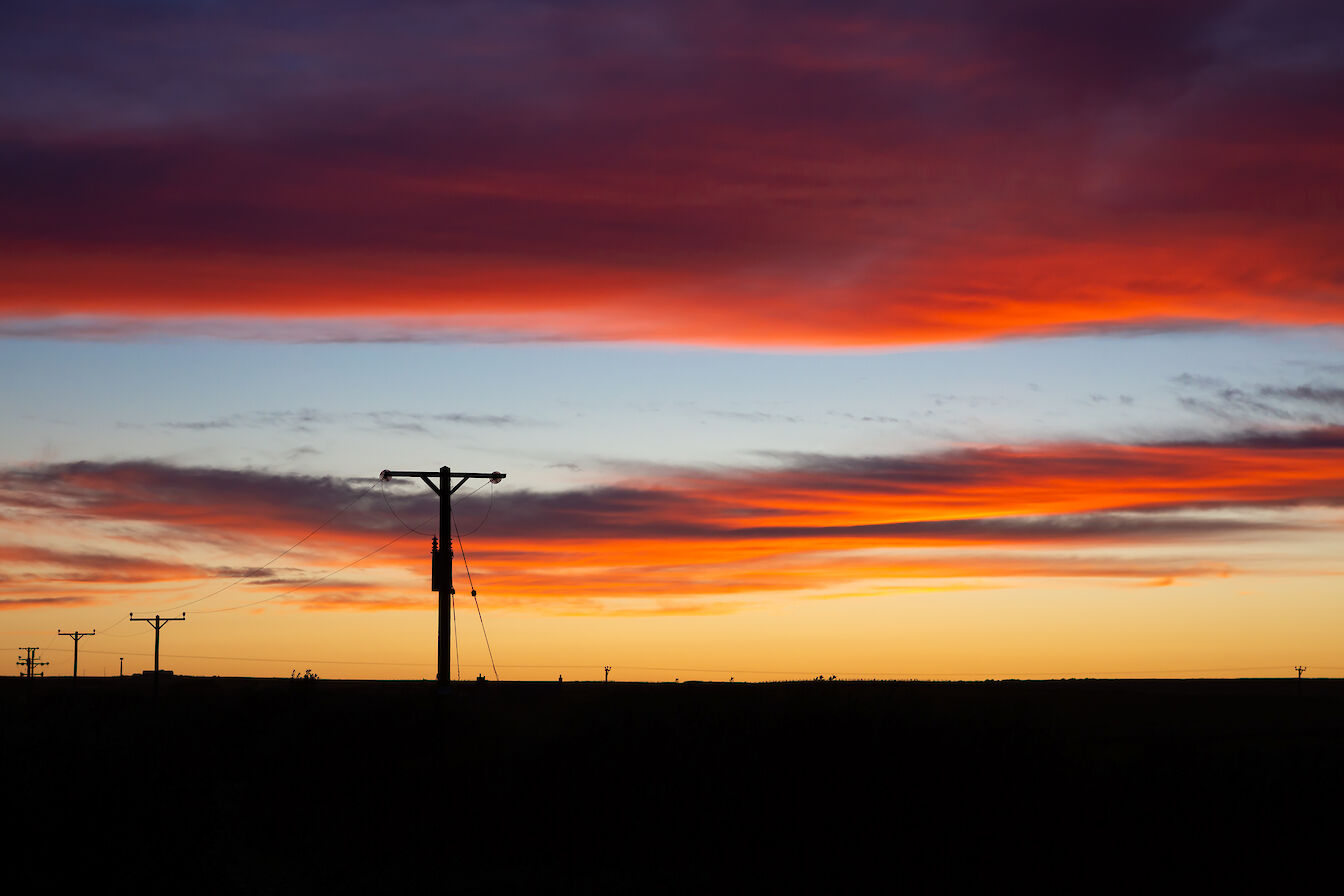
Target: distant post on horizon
30 663
441 573
76 636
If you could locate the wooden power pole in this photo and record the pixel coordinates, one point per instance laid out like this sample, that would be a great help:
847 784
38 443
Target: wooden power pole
75 636
441 573
158 622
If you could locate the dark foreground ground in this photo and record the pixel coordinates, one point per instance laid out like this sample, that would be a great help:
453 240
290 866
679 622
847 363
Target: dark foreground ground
279 786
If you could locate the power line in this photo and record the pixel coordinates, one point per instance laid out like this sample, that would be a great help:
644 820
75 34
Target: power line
555 665
488 508
120 619
312 581
319 528
472 584
127 635
397 515
262 659
469 495
328 522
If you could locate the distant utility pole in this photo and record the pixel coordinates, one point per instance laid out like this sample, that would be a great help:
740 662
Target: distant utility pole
75 636
441 574
158 622
606 674
1300 670
29 662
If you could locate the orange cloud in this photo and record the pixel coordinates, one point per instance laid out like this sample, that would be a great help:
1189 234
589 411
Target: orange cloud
812 524
946 295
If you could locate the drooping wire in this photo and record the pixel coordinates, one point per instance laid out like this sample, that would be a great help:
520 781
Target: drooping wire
488 508
463 499
120 619
123 619
398 516
488 651
249 575
313 581
479 615
475 490
106 629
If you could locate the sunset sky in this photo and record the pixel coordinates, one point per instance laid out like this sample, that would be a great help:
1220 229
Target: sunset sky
927 340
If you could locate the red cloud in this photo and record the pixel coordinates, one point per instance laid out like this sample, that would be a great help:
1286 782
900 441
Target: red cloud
810 176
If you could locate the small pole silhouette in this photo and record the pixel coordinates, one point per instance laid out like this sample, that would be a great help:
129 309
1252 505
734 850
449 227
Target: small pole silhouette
75 636
158 622
1300 670
441 574
606 674
29 662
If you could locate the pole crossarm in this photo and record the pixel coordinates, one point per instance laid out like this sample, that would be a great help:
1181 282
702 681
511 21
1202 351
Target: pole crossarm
159 621
423 475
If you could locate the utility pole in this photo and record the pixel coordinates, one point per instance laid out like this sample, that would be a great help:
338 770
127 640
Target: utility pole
441 573
75 636
30 662
1300 670
606 674
158 622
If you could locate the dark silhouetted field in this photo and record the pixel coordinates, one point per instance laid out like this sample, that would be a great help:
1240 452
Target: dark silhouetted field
258 785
